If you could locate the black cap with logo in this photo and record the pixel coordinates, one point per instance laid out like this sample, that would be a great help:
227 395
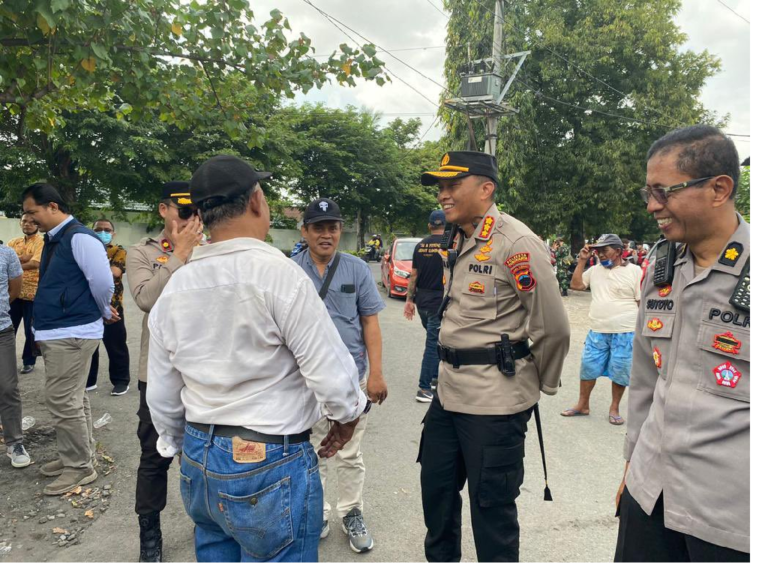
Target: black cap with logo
321 210
177 191
462 164
222 178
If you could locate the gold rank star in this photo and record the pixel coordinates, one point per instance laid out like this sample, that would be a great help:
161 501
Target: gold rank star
731 253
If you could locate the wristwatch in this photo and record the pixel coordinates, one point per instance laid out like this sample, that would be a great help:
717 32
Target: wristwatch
368 406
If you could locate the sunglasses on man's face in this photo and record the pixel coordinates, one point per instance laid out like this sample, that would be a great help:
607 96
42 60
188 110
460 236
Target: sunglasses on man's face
662 193
186 212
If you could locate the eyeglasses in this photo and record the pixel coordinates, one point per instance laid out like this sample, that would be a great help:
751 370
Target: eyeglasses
186 212
661 194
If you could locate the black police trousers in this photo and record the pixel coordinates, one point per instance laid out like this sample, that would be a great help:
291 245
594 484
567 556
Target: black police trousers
644 538
486 451
115 341
152 476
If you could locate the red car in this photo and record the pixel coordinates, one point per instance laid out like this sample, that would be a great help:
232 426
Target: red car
396 266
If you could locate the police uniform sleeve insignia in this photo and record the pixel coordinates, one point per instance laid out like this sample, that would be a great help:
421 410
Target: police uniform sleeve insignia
727 343
516 259
487 227
524 278
731 255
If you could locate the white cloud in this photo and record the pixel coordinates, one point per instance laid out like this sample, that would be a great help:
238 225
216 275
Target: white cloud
395 24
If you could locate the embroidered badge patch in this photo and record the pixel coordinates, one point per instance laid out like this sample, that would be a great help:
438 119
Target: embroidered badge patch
655 324
166 245
485 231
727 343
657 358
484 251
162 259
732 254
524 278
665 290
726 375
515 259
477 288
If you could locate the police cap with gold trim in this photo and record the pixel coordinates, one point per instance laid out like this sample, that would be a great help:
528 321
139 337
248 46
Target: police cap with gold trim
177 191
461 164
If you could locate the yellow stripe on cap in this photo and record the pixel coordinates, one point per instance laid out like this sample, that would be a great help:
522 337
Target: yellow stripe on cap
445 174
454 168
177 194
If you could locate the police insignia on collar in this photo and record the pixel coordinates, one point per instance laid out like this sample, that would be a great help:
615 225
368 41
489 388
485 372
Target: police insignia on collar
727 343
664 291
484 251
487 226
726 374
477 288
657 357
166 245
655 324
731 255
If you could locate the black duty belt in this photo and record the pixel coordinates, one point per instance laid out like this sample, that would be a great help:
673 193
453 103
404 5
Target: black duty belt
251 435
474 356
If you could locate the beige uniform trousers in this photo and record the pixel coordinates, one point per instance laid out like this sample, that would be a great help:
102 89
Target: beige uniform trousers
67 362
350 469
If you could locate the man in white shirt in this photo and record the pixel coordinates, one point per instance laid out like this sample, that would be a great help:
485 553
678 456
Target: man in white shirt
615 286
243 350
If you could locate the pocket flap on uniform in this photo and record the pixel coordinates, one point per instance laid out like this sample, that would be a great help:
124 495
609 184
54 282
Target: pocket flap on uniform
501 456
726 340
658 325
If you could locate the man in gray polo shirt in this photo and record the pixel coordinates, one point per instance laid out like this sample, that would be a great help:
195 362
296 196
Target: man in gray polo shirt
353 302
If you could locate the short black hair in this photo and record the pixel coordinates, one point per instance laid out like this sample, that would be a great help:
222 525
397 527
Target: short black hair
43 193
104 220
704 151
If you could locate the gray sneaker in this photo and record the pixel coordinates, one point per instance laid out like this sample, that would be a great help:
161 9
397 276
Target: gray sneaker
18 455
354 527
326 530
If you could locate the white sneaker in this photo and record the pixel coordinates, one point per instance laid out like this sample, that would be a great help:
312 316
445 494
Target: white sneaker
89 388
326 530
18 455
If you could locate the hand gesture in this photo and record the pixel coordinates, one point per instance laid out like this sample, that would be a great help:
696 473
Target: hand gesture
115 316
585 253
337 437
186 237
409 311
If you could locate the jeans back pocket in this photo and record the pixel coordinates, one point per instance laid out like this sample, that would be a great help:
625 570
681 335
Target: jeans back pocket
260 522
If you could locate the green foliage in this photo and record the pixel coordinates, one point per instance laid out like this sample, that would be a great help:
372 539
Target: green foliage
568 171
742 196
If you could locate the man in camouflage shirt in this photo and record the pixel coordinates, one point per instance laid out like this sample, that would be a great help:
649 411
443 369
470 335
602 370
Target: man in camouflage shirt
563 259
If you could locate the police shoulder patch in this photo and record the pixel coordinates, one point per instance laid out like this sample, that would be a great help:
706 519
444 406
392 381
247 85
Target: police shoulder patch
731 255
486 228
516 259
524 278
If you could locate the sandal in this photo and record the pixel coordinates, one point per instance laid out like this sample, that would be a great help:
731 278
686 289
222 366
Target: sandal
615 420
573 412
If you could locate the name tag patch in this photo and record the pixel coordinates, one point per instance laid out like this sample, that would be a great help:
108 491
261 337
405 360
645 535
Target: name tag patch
477 288
727 375
247 452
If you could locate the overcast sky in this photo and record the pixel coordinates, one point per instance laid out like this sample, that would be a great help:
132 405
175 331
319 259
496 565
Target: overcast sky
404 24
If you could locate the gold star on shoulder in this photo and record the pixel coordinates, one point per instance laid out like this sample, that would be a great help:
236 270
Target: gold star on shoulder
731 253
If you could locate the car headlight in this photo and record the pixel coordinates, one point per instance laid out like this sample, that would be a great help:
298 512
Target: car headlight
402 273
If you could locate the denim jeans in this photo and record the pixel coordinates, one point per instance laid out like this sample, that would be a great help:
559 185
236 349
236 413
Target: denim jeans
431 361
270 511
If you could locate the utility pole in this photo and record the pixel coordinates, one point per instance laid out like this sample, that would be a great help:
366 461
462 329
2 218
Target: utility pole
498 55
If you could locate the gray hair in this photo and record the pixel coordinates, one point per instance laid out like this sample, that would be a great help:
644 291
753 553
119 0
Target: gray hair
215 212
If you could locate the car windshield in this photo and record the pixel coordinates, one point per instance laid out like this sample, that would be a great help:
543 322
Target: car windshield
404 251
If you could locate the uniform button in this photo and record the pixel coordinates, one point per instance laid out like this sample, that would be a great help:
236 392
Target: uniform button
253 501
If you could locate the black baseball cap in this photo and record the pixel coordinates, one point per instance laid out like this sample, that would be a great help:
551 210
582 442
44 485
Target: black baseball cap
437 218
223 177
177 191
608 240
462 164
321 210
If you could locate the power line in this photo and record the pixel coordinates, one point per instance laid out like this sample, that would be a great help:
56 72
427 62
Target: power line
331 20
734 11
428 129
414 49
438 9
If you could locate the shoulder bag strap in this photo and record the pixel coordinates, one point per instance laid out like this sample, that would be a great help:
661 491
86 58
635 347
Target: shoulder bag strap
331 271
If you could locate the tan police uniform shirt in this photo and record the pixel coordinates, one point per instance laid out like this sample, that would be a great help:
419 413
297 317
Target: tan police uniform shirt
149 266
688 420
503 283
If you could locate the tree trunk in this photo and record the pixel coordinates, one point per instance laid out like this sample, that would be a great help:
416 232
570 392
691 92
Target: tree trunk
361 223
64 175
576 230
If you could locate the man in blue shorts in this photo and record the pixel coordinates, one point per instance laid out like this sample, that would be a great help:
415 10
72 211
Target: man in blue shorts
615 287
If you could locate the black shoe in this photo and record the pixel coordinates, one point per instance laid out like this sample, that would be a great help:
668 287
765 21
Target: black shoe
564 292
27 368
120 389
150 538
424 396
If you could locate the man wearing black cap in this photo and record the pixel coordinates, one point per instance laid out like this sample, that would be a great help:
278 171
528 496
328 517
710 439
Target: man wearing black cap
503 340
425 293
237 389
616 292
347 287
149 266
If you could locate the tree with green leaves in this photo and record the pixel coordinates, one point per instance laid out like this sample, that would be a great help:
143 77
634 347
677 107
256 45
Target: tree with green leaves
147 60
604 80
742 195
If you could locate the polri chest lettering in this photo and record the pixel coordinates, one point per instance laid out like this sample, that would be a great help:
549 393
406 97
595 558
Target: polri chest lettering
481 268
728 317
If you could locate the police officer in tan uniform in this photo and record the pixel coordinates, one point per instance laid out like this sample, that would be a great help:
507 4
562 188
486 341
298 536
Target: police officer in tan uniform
686 496
503 340
149 266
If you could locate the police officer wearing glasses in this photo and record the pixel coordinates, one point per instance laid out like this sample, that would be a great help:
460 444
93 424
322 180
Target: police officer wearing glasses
685 495
503 340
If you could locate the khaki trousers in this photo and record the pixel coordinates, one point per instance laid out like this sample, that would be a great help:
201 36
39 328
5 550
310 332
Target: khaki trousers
67 362
350 469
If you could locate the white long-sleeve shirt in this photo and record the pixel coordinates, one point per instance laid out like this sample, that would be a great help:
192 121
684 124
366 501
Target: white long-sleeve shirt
240 337
91 257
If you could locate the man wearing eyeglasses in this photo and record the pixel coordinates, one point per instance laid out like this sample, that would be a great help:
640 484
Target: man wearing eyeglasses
149 267
685 495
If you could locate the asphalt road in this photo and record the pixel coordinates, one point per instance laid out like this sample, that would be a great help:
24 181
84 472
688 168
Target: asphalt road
584 457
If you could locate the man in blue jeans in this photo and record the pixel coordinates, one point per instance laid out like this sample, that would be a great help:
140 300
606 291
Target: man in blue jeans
243 360
425 293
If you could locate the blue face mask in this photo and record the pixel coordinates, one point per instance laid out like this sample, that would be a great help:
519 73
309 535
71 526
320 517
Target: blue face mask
607 263
105 237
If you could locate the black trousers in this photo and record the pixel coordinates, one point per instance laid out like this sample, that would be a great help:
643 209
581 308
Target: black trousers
644 538
116 343
486 451
152 476
21 311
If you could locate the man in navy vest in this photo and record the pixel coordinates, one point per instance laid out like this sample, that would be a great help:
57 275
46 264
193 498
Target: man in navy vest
71 305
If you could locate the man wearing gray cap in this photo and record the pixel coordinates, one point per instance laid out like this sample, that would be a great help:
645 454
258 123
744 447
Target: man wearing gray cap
243 360
615 287
425 294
